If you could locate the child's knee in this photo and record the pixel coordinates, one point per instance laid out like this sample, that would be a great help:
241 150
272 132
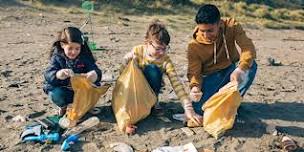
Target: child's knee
57 96
152 71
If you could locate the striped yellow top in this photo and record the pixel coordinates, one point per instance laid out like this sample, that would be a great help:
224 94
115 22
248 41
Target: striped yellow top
166 66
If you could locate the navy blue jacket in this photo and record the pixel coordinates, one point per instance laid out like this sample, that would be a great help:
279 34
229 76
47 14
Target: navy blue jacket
81 64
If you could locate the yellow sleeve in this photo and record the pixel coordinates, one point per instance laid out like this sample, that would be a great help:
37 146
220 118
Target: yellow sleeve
248 53
138 55
194 67
175 82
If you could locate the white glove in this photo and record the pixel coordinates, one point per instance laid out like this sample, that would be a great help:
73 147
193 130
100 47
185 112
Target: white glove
238 75
92 76
190 113
64 74
129 56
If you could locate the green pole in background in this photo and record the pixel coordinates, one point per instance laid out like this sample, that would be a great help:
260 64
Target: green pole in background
88 7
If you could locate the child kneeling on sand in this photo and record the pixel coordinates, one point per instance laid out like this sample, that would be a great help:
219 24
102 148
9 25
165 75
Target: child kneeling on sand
69 54
152 59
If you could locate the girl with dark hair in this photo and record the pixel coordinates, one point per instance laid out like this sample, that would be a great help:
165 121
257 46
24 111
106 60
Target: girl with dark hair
69 54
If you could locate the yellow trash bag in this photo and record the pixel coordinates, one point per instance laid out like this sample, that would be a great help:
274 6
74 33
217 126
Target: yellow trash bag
86 96
132 98
220 110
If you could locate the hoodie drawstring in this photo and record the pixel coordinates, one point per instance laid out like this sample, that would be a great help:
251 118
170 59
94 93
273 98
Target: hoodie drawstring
214 53
226 49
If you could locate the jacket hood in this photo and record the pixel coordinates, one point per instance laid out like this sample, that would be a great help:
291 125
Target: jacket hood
198 37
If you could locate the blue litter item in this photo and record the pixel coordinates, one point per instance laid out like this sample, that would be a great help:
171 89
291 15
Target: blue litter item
72 139
31 131
53 137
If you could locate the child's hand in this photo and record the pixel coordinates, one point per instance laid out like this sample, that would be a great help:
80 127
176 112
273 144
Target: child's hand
129 56
64 74
92 76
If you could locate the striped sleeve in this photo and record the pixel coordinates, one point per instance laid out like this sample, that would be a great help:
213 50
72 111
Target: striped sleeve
175 82
138 53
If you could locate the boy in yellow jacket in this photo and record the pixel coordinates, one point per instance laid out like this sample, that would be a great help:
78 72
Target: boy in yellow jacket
213 59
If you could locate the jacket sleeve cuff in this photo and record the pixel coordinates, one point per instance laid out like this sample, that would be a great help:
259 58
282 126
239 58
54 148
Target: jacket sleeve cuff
194 85
244 66
99 75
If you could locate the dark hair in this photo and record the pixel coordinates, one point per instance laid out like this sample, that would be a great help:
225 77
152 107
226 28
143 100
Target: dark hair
157 31
208 14
68 35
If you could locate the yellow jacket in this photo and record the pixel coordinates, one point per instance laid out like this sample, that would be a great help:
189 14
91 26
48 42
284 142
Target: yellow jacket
205 57
165 64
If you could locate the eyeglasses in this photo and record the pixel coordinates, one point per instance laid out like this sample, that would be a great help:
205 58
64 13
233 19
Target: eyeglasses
166 48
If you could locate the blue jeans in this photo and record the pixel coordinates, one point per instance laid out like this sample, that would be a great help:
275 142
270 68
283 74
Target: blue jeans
61 96
154 76
214 81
